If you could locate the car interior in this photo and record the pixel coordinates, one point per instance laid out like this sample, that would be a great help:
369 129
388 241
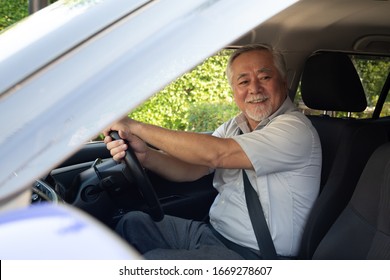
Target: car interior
349 219
330 83
362 229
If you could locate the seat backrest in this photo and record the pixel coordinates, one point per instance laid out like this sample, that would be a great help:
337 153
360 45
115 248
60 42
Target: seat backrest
354 147
330 83
362 231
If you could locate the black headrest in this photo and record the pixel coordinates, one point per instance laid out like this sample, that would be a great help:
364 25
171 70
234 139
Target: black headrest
330 83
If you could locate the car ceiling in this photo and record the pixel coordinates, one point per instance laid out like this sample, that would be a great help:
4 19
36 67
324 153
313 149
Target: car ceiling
311 25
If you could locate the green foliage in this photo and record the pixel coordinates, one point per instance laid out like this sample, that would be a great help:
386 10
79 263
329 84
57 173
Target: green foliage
12 11
373 73
198 101
206 117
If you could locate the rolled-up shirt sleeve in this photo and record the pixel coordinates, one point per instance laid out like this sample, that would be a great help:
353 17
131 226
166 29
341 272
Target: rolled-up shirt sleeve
280 146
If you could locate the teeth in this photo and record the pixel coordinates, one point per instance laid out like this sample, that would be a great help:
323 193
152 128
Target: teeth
257 100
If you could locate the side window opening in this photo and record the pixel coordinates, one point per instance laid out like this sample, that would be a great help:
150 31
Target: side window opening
199 101
386 107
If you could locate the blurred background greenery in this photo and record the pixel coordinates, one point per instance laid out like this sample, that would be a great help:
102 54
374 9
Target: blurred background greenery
12 11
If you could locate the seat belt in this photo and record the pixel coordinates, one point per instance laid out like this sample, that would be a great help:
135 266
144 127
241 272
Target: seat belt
259 224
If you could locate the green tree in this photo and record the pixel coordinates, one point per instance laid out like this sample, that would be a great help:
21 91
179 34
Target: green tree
373 73
198 101
11 11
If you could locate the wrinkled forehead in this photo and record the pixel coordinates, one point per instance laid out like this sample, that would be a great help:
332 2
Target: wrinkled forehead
262 70
253 61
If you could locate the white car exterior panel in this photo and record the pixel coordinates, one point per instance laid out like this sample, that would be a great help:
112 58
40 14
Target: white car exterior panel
50 32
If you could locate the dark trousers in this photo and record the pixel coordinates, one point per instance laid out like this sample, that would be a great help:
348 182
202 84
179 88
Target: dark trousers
173 238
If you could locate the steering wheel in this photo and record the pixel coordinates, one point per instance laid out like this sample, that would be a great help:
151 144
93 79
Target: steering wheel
142 181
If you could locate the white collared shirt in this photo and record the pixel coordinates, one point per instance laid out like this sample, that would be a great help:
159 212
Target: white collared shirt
285 152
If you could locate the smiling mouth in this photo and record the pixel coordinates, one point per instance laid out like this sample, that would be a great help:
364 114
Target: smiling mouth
257 100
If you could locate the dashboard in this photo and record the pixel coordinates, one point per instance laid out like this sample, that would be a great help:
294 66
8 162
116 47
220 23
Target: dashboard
43 192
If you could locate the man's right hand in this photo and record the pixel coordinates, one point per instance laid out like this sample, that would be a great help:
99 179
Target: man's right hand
118 148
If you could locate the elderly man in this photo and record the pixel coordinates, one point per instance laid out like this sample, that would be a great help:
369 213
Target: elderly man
275 144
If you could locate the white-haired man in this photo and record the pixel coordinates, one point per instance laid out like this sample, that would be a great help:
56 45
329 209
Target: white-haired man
271 140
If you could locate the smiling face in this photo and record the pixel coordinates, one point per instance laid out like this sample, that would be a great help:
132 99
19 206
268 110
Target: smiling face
258 88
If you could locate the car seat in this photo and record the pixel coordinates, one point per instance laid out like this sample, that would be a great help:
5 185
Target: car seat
362 231
330 83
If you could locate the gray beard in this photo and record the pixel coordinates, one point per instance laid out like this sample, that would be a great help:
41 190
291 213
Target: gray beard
259 115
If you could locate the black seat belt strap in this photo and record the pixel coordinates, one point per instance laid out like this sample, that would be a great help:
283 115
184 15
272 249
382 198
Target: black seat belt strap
260 227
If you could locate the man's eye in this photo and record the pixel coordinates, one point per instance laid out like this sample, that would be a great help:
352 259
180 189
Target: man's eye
243 82
265 78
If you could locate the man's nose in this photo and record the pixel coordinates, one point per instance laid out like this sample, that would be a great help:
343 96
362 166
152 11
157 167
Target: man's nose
255 86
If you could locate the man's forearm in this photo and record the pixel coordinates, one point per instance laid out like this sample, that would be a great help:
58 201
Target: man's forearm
172 168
